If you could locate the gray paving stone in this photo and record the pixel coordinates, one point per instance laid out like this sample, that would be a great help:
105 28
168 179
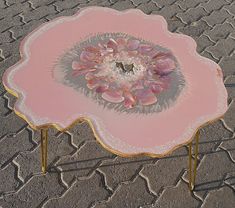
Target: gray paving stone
11 124
230 86
4 111
121 169
214 5
67 12
227 65
171 197
196 29
65 5
8 182
209 56
169 11
217 17
164 3
231 8
11 2
186 4
10 22
229 146
39 189
211 172
203 42
13 144
13 10
192 15
5 37
84 162
7 62
211 136
222 48
159 175
39 13
229 118
98 3
21 30
230 180
80 133
214 198
3 5
40 3
122 5
232 22
7 50
83 193
9 58
2 91
1 57
113 1
30 161
174 23
140 2
220 31
133 194
170 15
148 7
10 100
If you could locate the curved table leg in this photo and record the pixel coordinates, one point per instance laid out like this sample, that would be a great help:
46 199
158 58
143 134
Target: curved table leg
44 139
192 176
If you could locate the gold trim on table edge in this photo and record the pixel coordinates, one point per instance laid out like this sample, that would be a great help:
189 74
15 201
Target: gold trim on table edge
108 148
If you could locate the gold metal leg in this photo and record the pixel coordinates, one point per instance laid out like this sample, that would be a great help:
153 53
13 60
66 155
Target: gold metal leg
192 176
44 139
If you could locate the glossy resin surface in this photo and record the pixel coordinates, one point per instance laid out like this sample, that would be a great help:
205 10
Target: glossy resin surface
143 89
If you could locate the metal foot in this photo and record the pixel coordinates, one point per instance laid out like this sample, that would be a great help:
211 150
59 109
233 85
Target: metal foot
44 138
192 175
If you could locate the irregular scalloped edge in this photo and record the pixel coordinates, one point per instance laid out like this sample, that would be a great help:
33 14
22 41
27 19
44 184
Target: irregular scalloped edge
93 122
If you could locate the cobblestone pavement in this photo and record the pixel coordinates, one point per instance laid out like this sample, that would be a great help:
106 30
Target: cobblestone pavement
83 174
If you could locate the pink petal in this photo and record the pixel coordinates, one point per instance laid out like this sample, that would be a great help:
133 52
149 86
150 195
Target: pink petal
121 44
101 73
137 85
129 101
152 73
106 51
102 88
125 86
92 83
165 66
156 88
133 44
155 76
160 55
146 97
112 96
145 49
81 72
93 49
89 76
112 44
87 56
164 82
149 82
132 53
76 65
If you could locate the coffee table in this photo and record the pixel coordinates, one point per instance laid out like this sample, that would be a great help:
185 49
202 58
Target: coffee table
142 89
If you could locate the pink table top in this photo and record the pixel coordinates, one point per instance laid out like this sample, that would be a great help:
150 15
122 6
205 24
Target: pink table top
143 89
